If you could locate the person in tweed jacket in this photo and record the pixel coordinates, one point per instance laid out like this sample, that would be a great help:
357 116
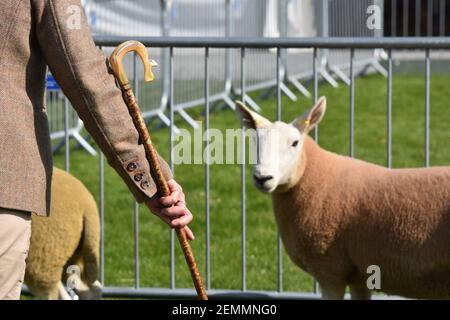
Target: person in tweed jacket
35 34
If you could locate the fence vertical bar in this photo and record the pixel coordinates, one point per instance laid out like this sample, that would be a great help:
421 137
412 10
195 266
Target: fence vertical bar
243 189
405 17
228 52
427 107
278 67
135 204
325 19
207 176
389 111
324 32
66 135
172 167
393 18
283 28
102 214
279 243
316 129
442 18
417 17
352 103
316 88
430 18
102 218
165 72
136 245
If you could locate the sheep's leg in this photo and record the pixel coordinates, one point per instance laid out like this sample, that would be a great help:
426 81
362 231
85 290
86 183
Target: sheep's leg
96 289
332 291
360 292
62 293
88 292
49 293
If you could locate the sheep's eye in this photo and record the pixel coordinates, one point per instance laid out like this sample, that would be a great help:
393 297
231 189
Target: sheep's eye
295 143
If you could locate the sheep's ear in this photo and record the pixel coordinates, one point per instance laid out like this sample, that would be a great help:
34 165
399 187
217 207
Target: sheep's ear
249 118
312 117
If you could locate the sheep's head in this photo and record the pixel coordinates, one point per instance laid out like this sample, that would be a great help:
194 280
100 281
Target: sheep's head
279 145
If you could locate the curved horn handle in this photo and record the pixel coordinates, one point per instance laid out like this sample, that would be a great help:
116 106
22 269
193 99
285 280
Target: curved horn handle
117 57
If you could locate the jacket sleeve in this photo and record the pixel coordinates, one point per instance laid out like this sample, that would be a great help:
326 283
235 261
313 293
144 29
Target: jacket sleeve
83 73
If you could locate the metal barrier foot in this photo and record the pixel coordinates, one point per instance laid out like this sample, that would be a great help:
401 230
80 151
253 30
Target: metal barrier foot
341 75
300 87
291 95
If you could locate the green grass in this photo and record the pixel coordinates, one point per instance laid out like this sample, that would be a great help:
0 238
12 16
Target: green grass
370 145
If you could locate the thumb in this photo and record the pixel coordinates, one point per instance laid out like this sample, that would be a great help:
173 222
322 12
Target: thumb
189 233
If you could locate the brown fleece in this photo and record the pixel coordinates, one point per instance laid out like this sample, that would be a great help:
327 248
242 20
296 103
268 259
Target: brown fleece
341 215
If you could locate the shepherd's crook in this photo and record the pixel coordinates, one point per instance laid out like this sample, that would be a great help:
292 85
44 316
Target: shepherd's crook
117 66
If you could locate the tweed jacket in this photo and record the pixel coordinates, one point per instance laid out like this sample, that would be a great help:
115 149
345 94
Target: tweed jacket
35 34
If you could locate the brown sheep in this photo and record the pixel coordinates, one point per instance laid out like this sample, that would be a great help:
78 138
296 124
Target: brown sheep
339 216
70 236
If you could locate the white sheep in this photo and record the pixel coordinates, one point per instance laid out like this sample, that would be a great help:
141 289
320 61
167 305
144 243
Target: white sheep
70 236
339 216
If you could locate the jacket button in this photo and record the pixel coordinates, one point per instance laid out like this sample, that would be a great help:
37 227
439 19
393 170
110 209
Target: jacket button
138 177
131 166
145 184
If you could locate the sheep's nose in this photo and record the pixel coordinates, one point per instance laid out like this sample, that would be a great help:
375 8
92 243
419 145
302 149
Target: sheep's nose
261 180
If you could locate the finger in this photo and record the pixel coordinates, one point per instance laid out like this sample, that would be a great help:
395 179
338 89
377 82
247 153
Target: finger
174 211
189 233
172 199
164 218
173 185
182 198
181 221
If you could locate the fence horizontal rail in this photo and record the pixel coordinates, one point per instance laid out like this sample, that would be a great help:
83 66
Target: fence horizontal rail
163 293
261 43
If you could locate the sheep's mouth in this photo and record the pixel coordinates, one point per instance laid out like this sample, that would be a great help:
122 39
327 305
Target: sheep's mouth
263 186
265 189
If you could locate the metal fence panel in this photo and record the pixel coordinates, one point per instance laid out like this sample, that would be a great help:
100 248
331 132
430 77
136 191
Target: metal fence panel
351 46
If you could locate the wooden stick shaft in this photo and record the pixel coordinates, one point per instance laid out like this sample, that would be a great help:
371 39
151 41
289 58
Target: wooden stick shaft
161 183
